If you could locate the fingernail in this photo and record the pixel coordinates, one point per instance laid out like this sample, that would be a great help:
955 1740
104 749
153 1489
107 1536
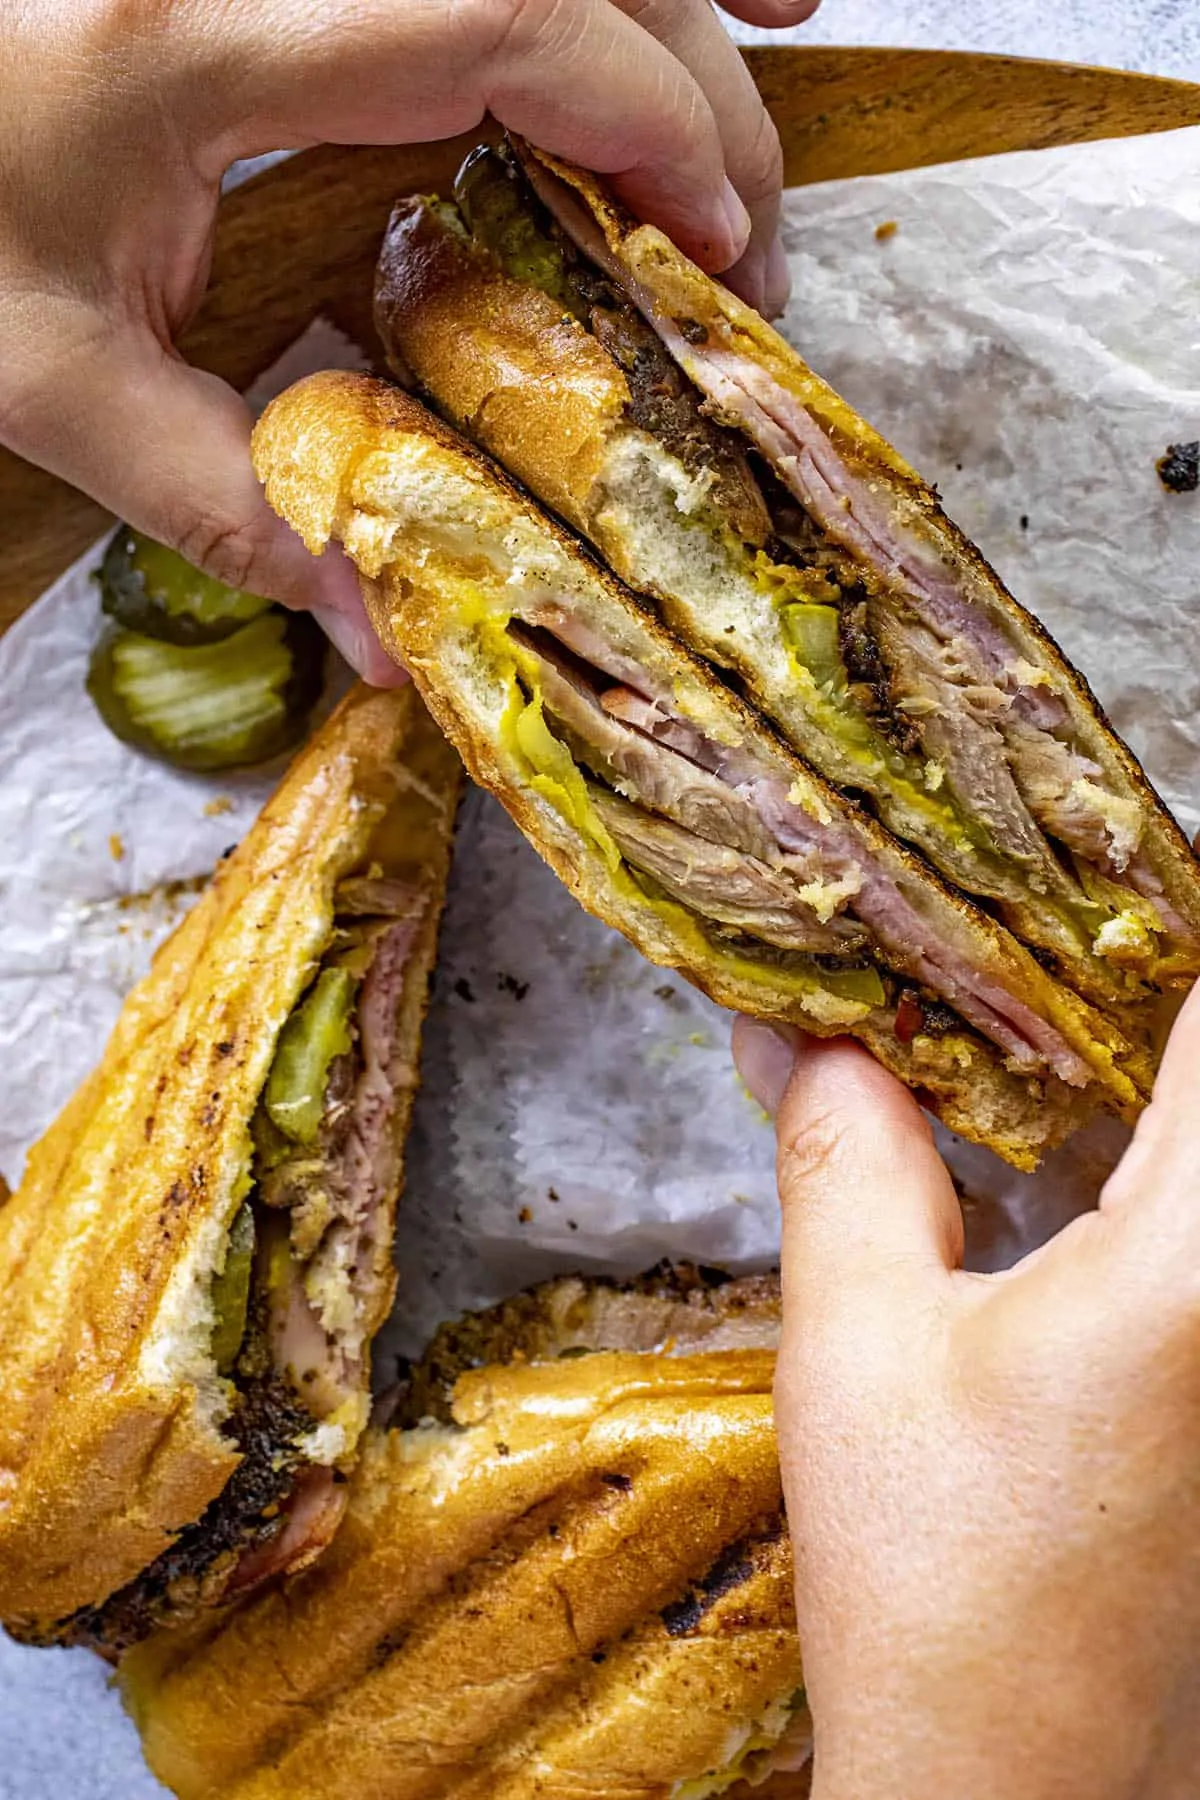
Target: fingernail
777 280
737 219
353 639
765 1056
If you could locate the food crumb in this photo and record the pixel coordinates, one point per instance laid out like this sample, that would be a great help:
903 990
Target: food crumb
887 230
1179 469
218 806
463 989
116 847
525 1214
552 1196
699 1039
666 992
572 1225
508 984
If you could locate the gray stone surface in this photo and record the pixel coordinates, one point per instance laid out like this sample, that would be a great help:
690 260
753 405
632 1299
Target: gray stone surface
60 1732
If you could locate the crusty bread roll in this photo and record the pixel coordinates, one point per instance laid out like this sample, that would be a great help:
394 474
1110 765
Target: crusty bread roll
454 555
570 1577
114 1420
594 361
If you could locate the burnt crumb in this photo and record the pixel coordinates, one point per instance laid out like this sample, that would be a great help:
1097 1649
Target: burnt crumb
682 1616
1179 469
728 1573
666 993
464 990
225 1047
571 1225
732 1569
228 851
621 1484
508 984
1024 521
693 331
5 1191
552 1531
940 1019
599 1656
552 1196
501 1449
177 1195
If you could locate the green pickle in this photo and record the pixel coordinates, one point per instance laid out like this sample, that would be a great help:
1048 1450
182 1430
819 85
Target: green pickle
231 1292
496 206
149 589
812 632
317 1031
215 706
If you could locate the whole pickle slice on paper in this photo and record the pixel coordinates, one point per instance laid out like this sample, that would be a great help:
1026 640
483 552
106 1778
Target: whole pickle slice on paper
212 706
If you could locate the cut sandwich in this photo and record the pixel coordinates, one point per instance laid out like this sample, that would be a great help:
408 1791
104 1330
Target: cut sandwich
666 804
195 1264
796 551
566 1573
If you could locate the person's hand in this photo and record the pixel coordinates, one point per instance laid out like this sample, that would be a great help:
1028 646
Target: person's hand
118 119
993 1482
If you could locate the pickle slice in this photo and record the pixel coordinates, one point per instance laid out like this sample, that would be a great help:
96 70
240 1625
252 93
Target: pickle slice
496 205
812 632
213 706
317 1031
149 589
231 1292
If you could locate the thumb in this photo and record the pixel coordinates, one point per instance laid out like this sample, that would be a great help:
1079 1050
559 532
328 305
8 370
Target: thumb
865 1195
184 477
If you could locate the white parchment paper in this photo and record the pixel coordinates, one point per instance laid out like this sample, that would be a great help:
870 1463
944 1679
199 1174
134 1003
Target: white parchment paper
1029 335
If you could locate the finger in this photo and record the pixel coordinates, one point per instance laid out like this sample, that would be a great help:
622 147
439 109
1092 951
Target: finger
773 14
865 1195
576 77
765 1056
183 476
1156 1178
691 30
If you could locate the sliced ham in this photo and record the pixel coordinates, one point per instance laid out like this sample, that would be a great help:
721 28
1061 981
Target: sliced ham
741 797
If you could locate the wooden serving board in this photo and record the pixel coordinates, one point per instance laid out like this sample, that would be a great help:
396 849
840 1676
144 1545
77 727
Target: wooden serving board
301 239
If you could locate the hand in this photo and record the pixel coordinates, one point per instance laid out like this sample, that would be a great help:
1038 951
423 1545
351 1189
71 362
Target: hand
119 117
993 1482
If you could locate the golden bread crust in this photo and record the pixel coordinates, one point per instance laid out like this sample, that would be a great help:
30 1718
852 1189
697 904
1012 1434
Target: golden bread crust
110 1434
583 1585
326 451
498 353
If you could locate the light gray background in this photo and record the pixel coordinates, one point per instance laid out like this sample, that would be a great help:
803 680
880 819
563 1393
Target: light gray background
60 1733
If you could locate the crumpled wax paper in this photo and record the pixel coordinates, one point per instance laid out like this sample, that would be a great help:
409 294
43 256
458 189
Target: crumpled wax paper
1029 335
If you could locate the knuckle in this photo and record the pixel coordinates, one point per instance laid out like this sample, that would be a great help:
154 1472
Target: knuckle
811 1150
487 27
228 550
759 168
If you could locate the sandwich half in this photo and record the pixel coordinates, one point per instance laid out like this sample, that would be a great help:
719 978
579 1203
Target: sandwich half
669 807
796 551
566 1572
192 1270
